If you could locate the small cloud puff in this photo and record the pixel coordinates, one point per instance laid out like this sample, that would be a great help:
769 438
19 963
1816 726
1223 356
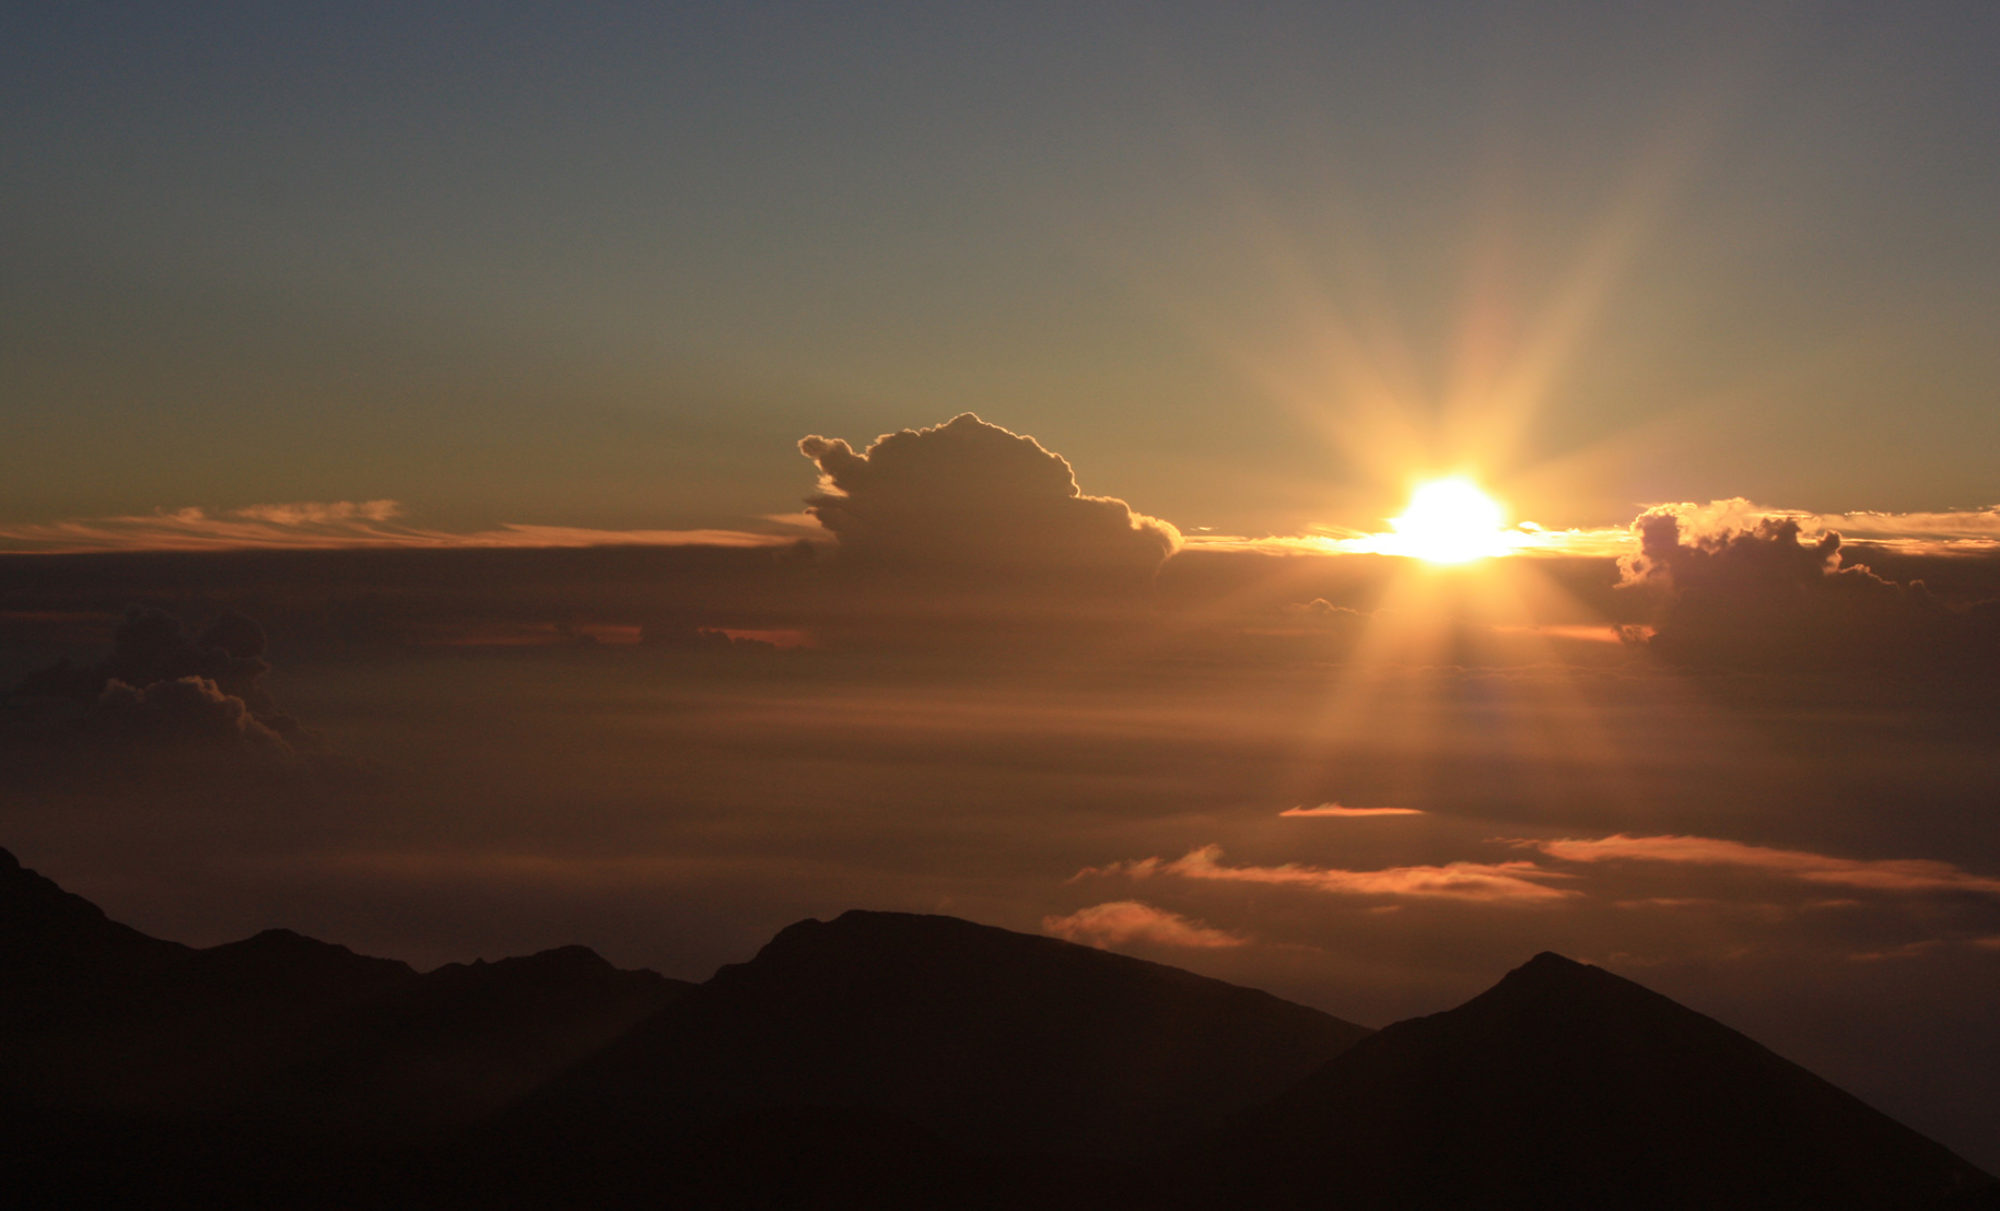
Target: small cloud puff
1120 922
971 496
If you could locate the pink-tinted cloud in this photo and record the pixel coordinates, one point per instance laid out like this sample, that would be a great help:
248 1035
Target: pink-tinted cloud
1889 875
1123 921
1479 881
1336 811
322 525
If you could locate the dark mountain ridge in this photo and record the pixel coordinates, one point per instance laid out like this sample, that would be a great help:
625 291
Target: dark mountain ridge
879 1060
1567 1086
994 1040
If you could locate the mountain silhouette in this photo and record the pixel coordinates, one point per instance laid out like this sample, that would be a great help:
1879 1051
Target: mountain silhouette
55 945
991 1039
879 1060
295 1035
1567 1086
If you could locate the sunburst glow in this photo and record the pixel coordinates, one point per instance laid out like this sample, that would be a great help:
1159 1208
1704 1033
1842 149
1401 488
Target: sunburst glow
1449 521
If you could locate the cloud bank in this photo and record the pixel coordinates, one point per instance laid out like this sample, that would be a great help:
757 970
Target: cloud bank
328 525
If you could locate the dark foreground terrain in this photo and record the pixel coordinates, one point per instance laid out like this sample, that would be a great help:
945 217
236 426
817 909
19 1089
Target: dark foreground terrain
879 1060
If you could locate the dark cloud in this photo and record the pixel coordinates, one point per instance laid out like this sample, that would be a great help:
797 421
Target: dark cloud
1763 594
161 695
151 648
968 496
185 711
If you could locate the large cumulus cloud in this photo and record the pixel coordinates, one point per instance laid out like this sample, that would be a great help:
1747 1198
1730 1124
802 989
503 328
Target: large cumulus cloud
968 497
1763 593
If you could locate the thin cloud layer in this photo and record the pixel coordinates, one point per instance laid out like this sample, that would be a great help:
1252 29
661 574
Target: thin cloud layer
968 495
1121 922
327 525
1499 882
1885 875
1338 812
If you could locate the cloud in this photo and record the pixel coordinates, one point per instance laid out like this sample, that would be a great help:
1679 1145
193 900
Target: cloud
1124 921
1486 882
1885 875
160 684
1349 813
1956 532
1908 950
324 525
1738 589
971 496
191 711
1526 538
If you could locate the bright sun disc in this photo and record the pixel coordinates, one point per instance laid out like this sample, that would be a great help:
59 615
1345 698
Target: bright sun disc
1449 521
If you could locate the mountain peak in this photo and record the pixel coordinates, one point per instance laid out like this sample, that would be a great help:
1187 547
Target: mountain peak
1572 1086
1551 970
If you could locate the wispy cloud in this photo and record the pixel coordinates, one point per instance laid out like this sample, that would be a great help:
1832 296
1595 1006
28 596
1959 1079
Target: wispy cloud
327 524
1891 875
1488 882
1122 921
1348 813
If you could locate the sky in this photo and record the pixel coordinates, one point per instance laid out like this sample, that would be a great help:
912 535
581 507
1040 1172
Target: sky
599 269
482 478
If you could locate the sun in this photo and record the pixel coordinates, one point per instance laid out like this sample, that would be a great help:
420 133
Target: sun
1449 521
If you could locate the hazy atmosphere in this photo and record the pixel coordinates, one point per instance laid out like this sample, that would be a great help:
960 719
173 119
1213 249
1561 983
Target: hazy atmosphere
1333 499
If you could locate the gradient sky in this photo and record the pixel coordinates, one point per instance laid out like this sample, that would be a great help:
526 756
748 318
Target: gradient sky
602 265
554 277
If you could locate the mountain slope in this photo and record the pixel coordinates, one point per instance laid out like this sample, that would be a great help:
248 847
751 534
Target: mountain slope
1567 1086
296 1035
992 1039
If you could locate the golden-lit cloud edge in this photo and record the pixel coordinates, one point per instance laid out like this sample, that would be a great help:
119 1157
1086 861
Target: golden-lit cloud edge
328 525
1965 531
1337 811
1121 922
1486 882
1872 874
324 525
1525 539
